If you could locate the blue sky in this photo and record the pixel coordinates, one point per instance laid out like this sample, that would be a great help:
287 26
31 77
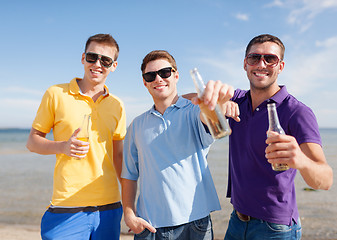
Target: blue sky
42 43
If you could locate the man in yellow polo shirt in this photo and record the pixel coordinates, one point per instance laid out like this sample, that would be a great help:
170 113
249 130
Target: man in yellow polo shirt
86 198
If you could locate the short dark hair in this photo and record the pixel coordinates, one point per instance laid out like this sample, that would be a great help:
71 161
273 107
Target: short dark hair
103 39
158 54
266 38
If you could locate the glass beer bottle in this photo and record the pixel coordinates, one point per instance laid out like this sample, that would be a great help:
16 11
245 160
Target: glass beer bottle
215 120
83 135
275 126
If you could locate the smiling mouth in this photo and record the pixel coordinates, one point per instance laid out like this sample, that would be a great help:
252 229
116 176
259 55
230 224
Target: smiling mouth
160 87
95 71
261 74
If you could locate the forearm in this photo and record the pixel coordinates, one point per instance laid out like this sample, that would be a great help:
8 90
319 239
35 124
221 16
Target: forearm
317 175
136 224
118 157
129 190
315 171
39 144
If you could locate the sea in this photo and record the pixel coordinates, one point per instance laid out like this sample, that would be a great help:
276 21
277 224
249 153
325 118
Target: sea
26 185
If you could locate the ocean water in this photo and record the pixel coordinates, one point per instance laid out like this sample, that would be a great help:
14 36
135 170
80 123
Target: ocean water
26 185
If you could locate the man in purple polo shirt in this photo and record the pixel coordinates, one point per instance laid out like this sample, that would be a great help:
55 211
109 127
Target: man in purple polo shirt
264 200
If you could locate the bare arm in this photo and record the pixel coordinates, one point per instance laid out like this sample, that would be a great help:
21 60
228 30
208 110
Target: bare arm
136 224
315 170
38 143
118 157
308 158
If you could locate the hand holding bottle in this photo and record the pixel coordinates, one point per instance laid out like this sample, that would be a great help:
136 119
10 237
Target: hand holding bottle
77 145
210 97
275 126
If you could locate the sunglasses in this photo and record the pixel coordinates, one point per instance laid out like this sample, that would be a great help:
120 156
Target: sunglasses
105 61
269 59
163 73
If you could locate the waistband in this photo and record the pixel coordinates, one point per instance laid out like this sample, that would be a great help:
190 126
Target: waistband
85 209
244 217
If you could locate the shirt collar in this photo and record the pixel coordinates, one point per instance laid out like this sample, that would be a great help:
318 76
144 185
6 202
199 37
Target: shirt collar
279 96
181 102
75 89
276 98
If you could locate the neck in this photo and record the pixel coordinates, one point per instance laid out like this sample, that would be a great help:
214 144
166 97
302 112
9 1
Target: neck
258 96
162 105
93 91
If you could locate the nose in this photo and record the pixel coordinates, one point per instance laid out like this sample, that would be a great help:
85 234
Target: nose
158 78
98 62
262 63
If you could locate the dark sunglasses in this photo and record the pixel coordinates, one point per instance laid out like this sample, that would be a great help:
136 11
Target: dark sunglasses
91 57
163 73
269 59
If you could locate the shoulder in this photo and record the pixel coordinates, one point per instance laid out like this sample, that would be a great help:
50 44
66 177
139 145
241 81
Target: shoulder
302 122
185 103
57 90
294 106
240 95
115 99
142 118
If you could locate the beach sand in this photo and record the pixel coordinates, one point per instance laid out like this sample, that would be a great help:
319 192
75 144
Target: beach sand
29 232
23 202
318 211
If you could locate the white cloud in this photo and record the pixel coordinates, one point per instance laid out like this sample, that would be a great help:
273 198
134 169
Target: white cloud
311 77
276 3
328 43
241 16
17 112
324 108
135 106
313 69
20 90
303 12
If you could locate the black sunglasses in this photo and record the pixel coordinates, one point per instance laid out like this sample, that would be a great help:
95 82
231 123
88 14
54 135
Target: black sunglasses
163 73
269 59
91 57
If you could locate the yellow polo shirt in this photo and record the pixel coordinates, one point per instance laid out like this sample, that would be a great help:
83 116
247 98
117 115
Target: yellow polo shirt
91 181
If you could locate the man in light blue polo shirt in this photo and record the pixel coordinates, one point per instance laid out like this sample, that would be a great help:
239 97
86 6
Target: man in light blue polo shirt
165 149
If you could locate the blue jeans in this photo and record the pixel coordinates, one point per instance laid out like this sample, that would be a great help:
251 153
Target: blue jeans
197 230
257 229
98 225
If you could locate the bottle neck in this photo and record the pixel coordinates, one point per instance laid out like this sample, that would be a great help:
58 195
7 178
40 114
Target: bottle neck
274 123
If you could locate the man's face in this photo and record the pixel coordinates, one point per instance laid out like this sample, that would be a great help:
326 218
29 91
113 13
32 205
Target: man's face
95 73
161 88
263 76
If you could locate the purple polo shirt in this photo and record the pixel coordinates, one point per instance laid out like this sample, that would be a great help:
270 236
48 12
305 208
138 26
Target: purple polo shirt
254 188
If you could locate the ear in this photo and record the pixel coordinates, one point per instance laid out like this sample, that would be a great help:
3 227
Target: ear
113 66
176 76
245 65
83 58
281 67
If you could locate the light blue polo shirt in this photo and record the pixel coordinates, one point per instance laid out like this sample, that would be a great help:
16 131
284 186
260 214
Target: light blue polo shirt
167 155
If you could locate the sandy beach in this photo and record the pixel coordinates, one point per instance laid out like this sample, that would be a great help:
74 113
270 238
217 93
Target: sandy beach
29 232
318 210
26 186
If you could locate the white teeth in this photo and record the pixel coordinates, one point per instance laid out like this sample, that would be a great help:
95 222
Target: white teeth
261 74
159 87
93 71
